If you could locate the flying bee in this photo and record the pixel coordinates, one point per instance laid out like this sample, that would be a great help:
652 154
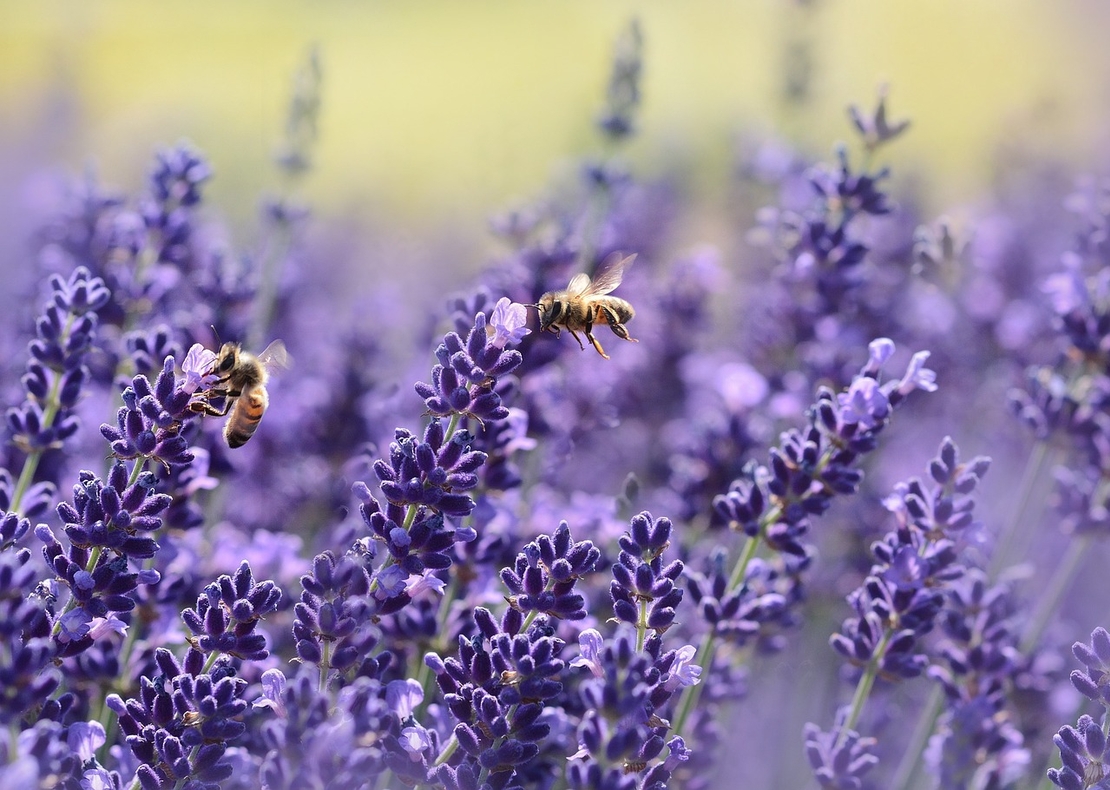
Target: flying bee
583 303
241 383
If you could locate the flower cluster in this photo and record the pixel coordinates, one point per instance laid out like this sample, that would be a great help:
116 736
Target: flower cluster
565 570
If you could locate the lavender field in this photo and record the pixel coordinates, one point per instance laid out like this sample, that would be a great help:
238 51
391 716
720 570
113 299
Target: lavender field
818 503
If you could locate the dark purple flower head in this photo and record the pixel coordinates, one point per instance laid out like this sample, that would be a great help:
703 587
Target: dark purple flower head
432 473
497 685
228 612
875 129
182 722
463 380
149 424
56 371
811 467
644 590
177 176
545 573
1093 681
333 621
1084 752
839 763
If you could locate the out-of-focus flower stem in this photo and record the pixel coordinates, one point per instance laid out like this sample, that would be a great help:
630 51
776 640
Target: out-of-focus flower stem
270 269
1065 573
908 766
1010 536
709 643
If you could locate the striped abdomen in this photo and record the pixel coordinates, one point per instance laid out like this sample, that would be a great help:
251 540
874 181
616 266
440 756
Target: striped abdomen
245 415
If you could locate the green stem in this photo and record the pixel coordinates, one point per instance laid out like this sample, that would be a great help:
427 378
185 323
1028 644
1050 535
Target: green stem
325 667
449 748
863 688
136 470
452 426
641 626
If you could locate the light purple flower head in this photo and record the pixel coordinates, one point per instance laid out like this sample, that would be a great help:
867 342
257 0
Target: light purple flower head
273 692
424 584
84 738
195 368
878 352
415 741
864 403
507 323
391 581
918 377
402 696
99 627
591 643
684 672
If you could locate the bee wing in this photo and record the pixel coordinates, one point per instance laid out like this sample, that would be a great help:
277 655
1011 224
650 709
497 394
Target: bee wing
579 284
275 357
610 273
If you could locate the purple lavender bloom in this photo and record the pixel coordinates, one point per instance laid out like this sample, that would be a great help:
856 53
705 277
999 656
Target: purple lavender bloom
811 467
545 573
1084 751
228 612
28 676
1091 681
643 589
333 620
149 426
432 473
463 381
147 348
496 687
181 724
875 129
105 526
56 371
622 731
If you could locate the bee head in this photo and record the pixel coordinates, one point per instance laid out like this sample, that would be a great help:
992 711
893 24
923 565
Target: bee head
228 358
549 309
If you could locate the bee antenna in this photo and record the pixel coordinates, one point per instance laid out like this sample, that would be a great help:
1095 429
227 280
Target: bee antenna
216 334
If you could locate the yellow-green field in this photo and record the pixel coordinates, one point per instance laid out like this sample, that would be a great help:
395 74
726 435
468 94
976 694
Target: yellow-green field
435 110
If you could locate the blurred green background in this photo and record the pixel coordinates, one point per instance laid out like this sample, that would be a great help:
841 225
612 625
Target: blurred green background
437 114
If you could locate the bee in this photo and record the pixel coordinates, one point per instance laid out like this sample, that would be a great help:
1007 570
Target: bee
241 383
583 303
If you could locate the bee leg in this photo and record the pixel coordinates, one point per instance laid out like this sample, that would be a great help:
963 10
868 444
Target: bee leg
593 341
206 408
619 329
203 407
576 337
